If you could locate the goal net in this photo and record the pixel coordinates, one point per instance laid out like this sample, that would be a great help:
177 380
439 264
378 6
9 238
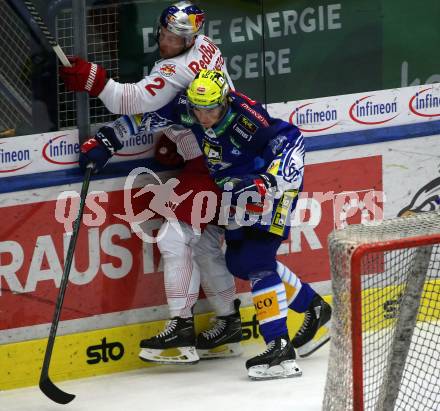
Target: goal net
385 343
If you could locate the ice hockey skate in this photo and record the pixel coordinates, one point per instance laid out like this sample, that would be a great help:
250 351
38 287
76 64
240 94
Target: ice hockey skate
223 339
315 330
277 361
174 345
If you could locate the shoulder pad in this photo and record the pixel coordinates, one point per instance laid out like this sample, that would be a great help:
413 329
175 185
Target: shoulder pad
252 113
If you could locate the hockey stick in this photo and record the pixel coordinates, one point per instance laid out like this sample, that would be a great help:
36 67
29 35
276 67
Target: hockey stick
36 18
46 385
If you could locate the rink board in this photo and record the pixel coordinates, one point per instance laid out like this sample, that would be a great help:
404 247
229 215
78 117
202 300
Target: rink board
116 278
114 271
102 351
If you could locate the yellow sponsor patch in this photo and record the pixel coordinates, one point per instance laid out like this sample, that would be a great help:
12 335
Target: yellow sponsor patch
266 305
138 119
274 167
282 212
212 151
290 292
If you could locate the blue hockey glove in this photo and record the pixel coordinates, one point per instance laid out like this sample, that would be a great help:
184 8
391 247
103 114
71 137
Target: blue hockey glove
99 149
262 184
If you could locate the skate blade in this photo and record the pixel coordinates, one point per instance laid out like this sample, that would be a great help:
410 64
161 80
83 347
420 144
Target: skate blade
286 369
322 337
222 351
170 356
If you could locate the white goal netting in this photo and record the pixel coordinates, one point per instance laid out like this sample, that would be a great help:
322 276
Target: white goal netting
385 346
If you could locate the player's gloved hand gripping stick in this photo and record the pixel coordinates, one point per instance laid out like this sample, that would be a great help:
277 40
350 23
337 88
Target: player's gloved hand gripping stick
26 11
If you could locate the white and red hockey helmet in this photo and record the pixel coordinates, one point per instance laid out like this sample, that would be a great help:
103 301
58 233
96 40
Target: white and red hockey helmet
183 18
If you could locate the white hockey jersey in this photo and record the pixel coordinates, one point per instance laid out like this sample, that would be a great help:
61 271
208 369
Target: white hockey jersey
167 78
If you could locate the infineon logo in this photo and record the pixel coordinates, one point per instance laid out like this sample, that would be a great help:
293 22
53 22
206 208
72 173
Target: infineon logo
426 103
136 145
370 112
314 119
61 151
13 160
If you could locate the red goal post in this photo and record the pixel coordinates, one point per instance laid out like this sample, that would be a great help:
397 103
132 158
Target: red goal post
385 344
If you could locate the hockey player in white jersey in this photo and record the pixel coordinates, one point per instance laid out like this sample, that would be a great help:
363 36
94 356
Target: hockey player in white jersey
191 259
184 53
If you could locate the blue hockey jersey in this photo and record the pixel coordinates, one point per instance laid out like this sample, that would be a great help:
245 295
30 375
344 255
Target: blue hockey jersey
246 140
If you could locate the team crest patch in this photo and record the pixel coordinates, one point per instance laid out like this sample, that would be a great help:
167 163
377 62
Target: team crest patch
213 152
274 167
168 69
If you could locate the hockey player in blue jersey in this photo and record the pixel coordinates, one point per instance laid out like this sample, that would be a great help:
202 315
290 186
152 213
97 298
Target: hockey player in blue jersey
249 153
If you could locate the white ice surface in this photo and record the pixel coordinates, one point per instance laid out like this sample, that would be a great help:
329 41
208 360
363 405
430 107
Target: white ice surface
215 385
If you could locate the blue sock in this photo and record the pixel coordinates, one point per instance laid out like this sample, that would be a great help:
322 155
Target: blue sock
269 298
303 299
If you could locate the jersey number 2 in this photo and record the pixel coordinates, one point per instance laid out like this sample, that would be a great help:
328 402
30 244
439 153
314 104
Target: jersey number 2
157 83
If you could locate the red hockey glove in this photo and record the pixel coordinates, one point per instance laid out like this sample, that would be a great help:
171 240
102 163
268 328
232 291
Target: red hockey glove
84 76
166 153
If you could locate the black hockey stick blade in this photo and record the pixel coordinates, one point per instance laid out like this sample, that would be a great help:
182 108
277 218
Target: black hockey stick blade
53 392
46 385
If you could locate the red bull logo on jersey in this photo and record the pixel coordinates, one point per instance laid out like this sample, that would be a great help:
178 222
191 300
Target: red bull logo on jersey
426 103
168 70
367 110
12 160
207 51
60 150
314 117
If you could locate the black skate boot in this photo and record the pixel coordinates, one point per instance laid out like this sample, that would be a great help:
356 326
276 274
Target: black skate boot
174 345
278 361
315 330
223 339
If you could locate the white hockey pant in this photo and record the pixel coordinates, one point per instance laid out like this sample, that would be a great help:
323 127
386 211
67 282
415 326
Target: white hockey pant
217 282
183 253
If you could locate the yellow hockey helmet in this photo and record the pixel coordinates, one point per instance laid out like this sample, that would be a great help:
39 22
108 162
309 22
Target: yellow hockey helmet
208 90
